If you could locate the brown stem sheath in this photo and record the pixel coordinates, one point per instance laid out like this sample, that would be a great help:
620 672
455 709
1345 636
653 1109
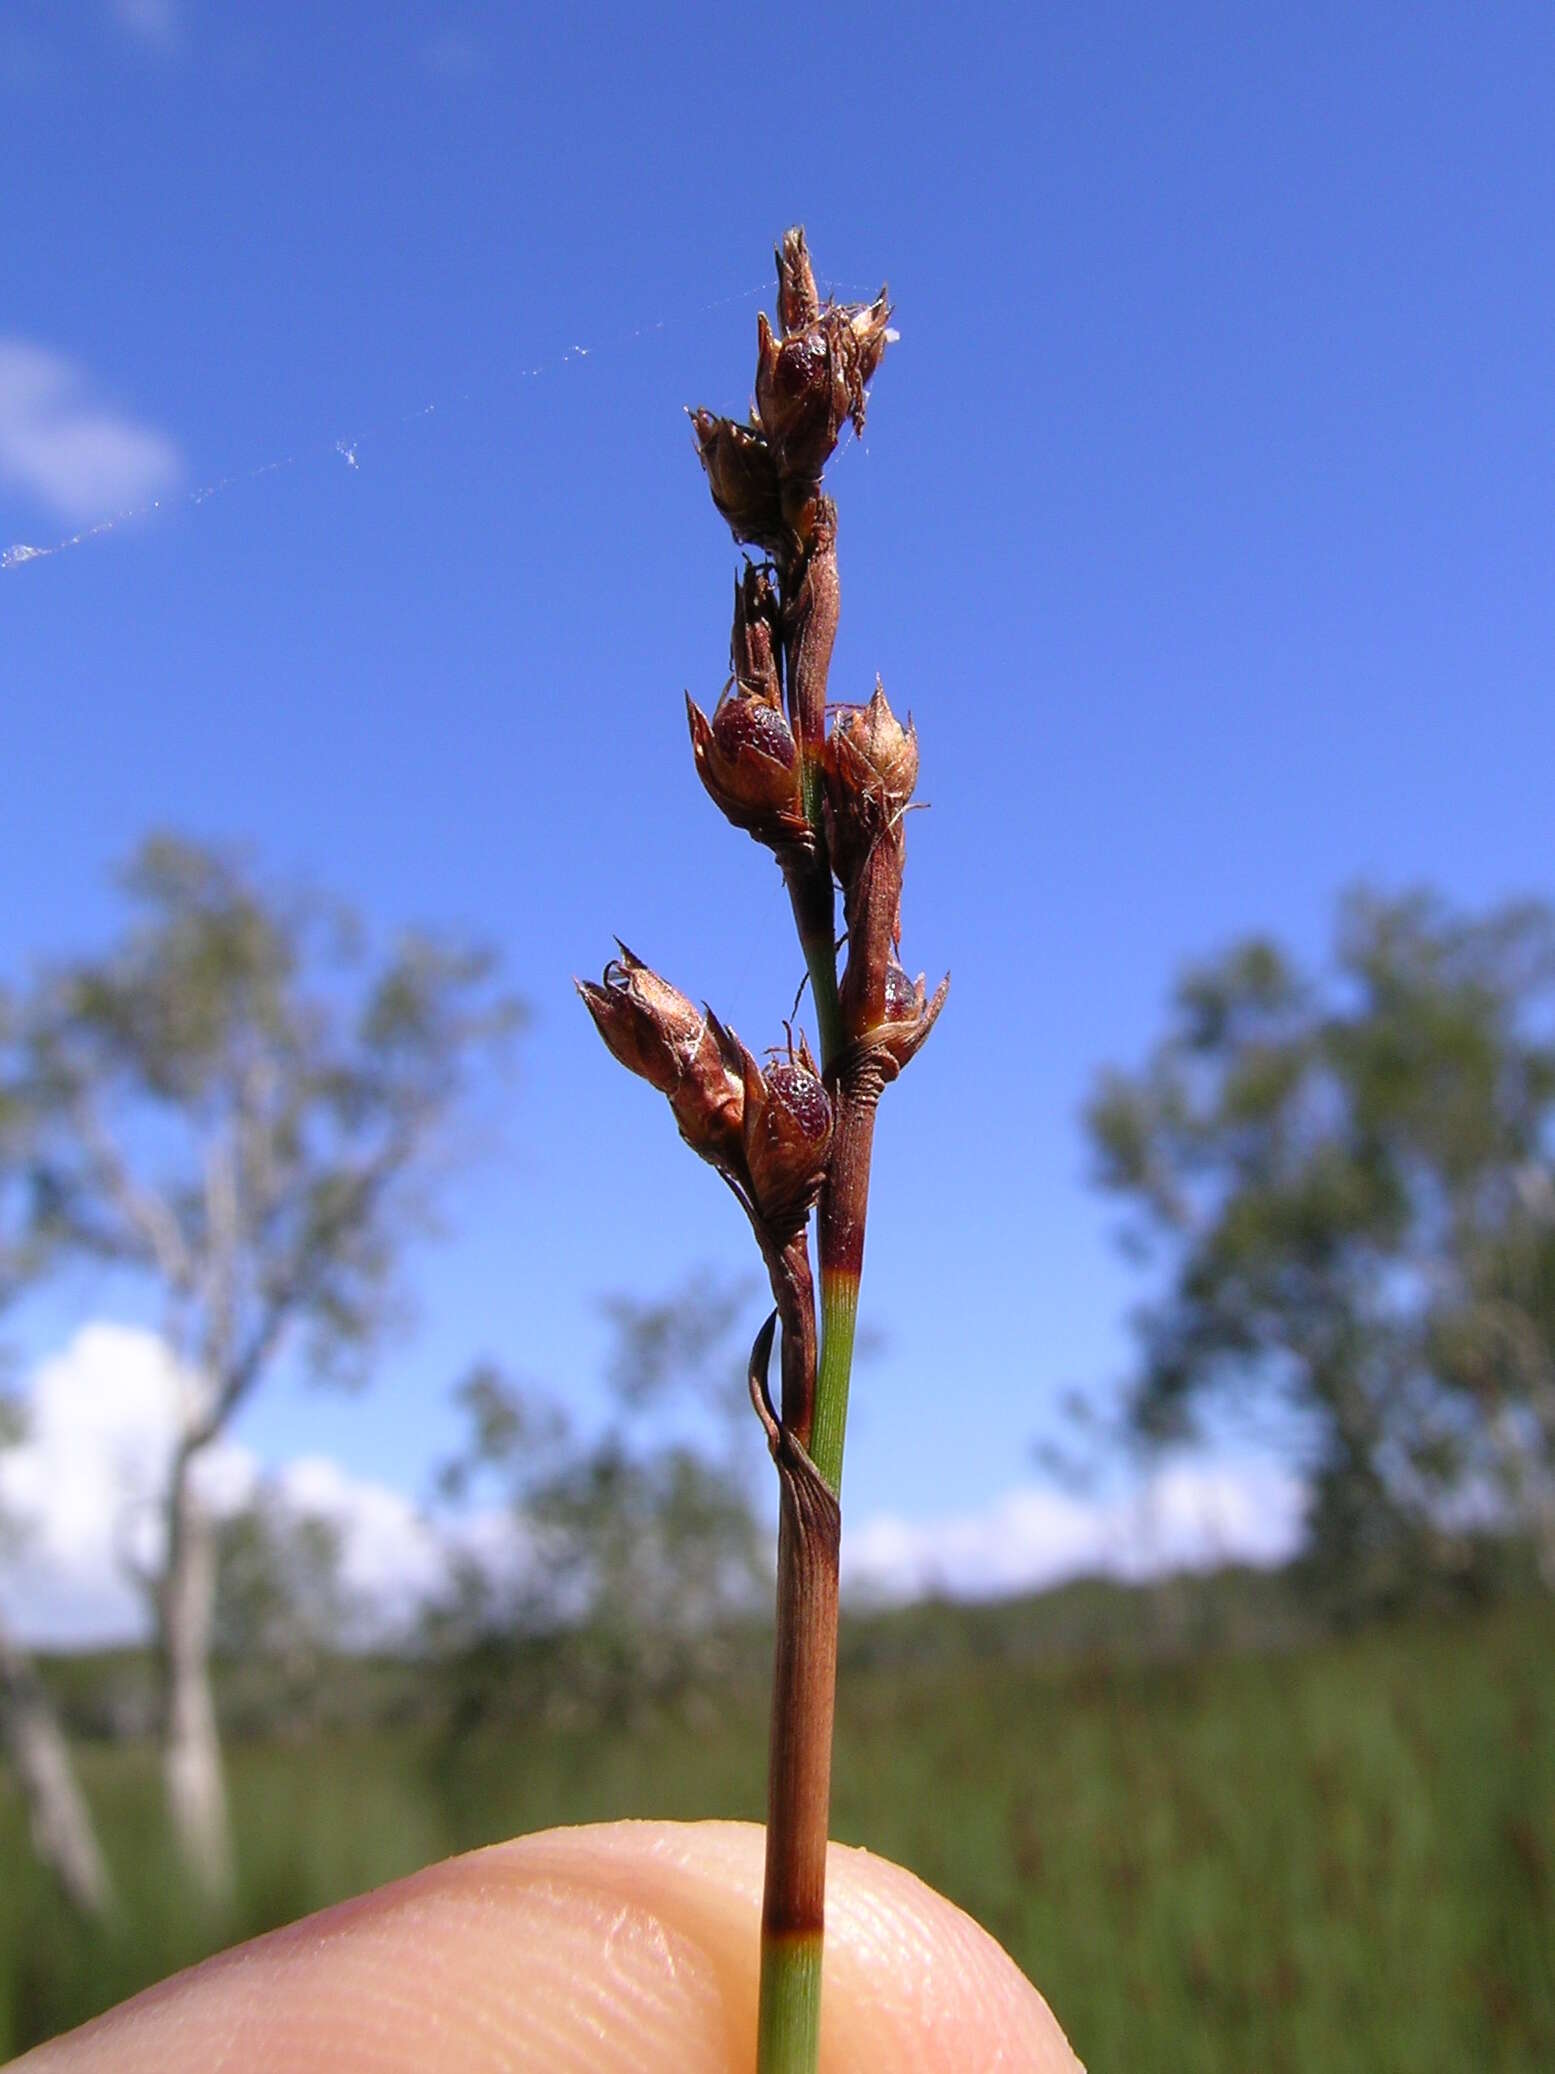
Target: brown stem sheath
804 1690
804 1679
812 604
874 907
793 1291
845 1200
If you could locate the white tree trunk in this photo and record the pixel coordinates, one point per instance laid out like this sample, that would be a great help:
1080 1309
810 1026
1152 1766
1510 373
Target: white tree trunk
191 1751
62 1832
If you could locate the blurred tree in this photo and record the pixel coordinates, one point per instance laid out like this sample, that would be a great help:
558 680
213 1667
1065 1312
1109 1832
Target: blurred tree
57 1815
58 1819
280 1596
639 1546
1351 1181
283 1614
235 1106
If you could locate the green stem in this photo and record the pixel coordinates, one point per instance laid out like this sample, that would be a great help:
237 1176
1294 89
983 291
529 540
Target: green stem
788 2031
821 963
839 1318
844 1211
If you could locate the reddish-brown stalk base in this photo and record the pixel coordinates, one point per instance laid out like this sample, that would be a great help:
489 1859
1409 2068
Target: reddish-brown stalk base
804 1693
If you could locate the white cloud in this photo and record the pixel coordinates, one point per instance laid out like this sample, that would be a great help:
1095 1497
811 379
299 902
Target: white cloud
391 1558
1189 1515
83 1486
152 22
81 457
85 1480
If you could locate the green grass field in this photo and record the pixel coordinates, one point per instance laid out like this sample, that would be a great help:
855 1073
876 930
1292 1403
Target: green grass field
1338 1859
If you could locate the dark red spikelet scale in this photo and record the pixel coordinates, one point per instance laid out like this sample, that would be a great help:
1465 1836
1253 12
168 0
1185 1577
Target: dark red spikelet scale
803 1097
753 724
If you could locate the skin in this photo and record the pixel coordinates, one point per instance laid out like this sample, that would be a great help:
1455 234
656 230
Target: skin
627 1948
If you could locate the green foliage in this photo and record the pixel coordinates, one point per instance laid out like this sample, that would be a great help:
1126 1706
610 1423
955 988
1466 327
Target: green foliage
281 1612
640 1545
680 1343
657 1553
236 1102
1349 1177
1339 1856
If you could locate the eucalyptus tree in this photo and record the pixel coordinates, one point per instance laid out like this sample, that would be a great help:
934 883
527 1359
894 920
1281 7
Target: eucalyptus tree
1347 1178
57 1815
242 1107
640 1557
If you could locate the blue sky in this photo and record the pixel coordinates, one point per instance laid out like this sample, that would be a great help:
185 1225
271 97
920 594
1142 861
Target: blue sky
1203 521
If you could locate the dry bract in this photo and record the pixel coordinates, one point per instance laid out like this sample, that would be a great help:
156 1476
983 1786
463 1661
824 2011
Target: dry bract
747 758
788 1128
743 477
882 746
756 642
656 1032
909 1016
813 378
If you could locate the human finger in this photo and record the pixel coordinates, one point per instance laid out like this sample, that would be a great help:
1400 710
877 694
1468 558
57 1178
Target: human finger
624 1948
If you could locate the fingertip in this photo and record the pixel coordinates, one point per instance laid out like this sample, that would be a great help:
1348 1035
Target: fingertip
623 1948
906 1967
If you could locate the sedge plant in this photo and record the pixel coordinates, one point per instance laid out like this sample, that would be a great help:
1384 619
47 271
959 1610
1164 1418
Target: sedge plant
826 789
